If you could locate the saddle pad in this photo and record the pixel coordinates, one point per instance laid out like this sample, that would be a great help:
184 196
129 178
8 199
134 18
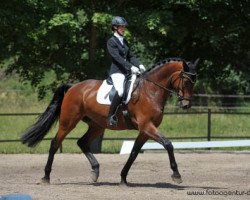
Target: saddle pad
103 92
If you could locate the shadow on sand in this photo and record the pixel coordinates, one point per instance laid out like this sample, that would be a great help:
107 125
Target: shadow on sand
142 185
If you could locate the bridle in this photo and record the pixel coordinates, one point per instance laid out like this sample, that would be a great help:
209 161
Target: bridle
182 75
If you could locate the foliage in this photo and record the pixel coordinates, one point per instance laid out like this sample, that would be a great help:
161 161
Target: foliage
69 38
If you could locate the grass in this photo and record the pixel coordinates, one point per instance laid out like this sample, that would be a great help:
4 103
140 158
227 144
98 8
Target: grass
11 127
18 98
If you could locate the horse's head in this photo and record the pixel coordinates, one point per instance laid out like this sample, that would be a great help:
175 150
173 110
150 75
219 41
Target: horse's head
183 83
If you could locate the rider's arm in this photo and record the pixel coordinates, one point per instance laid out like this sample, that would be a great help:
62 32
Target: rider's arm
116 57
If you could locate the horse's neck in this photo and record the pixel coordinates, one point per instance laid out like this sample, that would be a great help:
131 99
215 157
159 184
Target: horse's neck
163 74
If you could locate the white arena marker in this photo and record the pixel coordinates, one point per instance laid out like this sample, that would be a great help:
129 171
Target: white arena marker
128 145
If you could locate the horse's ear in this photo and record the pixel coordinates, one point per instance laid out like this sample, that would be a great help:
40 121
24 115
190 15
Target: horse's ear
185 66
196 63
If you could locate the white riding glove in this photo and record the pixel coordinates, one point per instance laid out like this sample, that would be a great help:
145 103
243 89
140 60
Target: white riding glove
142 68
135 70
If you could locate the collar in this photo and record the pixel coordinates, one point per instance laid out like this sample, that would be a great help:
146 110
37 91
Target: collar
121 38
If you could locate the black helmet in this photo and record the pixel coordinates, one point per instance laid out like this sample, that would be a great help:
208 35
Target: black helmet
119 21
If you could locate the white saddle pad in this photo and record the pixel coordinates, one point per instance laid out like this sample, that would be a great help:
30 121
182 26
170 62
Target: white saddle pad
103 92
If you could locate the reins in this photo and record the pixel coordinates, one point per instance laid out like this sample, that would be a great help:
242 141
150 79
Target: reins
159 85
182 75
163 87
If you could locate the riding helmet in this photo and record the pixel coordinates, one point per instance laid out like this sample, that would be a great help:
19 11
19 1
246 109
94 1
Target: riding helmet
119 21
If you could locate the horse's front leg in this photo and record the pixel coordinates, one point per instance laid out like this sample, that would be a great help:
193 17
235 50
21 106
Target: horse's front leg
139 142
153 133
169 147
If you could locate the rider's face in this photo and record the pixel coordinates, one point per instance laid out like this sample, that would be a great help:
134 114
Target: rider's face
120 30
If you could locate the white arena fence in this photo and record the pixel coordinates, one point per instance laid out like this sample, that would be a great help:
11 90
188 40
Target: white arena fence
128 145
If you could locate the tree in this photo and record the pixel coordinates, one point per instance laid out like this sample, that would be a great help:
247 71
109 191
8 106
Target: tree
69 38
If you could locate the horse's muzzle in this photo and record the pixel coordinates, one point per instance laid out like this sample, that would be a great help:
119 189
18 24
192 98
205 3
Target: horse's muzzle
185 104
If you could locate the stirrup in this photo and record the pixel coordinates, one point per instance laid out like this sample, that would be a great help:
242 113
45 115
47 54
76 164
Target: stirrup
112 120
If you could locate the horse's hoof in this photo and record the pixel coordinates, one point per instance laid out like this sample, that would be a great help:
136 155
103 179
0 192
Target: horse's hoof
123 183
45 180
176 179
95 175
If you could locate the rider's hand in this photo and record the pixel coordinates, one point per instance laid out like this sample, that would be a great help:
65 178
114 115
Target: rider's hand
135 70
142 68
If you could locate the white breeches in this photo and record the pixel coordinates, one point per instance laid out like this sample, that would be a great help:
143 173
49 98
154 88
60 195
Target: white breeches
118 80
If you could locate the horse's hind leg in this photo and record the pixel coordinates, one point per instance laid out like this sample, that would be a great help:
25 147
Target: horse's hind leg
66 125
84 143
52 151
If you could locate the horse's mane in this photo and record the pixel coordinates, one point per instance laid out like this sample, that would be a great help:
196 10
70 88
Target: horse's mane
165 61
158 64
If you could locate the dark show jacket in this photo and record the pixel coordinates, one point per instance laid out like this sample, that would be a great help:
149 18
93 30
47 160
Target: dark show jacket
122 57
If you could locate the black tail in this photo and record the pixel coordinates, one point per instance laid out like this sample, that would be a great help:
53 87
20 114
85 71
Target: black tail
37 131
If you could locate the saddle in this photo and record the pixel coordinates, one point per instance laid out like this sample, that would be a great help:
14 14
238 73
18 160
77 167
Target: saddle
107 90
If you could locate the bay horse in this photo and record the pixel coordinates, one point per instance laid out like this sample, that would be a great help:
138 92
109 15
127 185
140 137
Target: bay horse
73 103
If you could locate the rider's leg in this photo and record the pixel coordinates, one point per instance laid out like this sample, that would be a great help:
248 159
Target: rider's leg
112 120
118 80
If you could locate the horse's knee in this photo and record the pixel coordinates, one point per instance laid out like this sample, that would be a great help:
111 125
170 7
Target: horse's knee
166 143
170 147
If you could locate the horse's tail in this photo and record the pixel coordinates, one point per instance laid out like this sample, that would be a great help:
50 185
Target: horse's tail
37 131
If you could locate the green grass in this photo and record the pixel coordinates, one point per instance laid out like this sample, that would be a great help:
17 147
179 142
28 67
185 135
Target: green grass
11 127
18 98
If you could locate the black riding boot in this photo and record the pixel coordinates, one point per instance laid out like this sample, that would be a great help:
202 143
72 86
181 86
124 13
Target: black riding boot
112 120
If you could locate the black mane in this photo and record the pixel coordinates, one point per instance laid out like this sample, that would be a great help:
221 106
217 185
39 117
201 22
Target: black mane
163 62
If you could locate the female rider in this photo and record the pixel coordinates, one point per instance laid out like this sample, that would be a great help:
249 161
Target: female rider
123 62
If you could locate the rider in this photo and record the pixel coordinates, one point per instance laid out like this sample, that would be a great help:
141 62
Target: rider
123 62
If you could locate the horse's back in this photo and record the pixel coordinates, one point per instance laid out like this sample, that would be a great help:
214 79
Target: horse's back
85 86
80 91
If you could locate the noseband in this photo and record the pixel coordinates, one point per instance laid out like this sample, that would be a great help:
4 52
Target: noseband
187 75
